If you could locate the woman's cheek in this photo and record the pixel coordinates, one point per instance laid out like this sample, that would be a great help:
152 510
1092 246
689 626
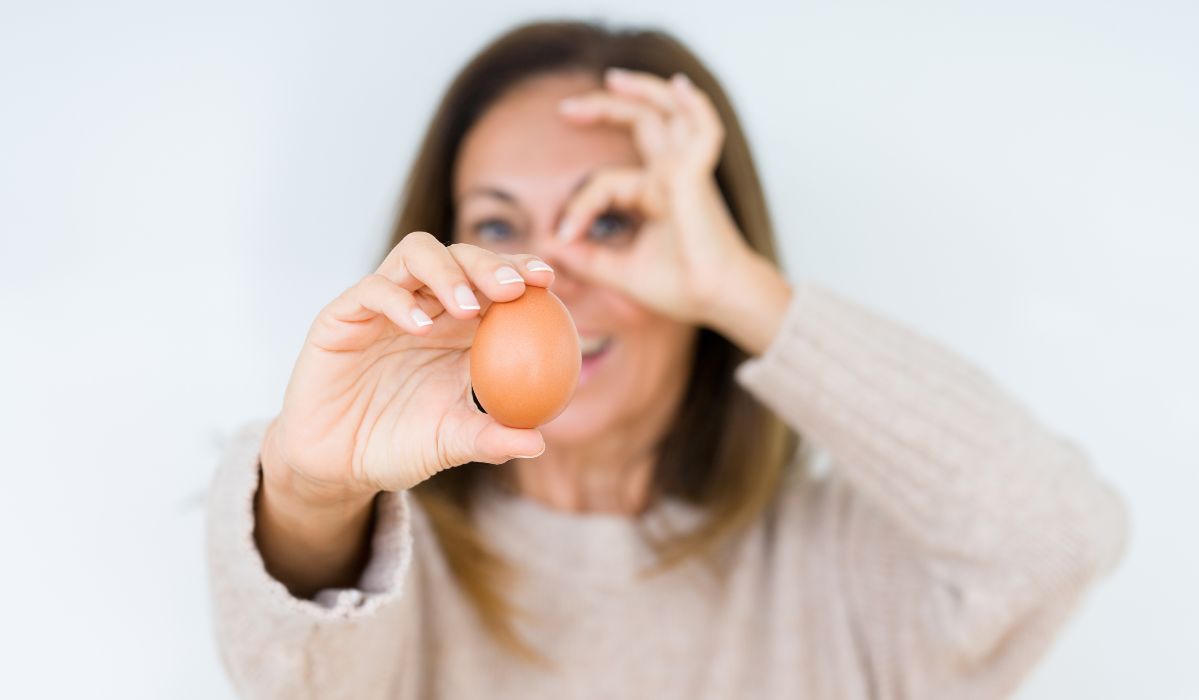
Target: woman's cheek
626 312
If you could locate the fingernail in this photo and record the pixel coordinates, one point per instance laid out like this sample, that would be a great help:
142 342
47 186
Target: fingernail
508 275
529 456
538 266
569 104
615 73
681 80
465 298
421 318
564 229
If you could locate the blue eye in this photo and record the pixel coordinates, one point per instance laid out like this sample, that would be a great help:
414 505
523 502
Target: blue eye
493 230
610 226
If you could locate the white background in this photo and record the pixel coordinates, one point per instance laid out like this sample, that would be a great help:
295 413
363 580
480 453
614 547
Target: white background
182 186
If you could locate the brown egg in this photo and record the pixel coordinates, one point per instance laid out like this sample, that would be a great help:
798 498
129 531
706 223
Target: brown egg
525 360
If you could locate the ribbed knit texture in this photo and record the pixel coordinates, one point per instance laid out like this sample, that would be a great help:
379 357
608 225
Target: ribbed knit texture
936 555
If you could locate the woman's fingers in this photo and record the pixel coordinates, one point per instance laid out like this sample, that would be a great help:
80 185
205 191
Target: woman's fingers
660 112
707 129
480 438
421 261
676 98
535 270
456 275
605 189
647 86
375 295
500 277
648 124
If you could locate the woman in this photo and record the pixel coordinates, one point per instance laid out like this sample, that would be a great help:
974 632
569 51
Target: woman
668 535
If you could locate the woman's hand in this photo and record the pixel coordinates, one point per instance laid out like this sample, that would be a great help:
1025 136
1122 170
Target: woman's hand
380 396
688 261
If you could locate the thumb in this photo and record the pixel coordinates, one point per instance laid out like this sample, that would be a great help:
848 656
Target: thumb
483 439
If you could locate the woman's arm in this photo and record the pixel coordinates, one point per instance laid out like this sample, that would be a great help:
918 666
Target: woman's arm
308 540
354 637
927 437
960 514
995 519
349 435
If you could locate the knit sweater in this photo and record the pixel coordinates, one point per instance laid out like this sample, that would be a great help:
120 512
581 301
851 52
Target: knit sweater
930 543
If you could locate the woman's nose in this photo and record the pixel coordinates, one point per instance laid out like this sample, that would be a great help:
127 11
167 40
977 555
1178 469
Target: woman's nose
546 247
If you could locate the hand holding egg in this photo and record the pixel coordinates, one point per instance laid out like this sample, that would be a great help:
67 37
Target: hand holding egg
380 397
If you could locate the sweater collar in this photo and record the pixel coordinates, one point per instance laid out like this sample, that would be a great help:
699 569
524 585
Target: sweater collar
585 548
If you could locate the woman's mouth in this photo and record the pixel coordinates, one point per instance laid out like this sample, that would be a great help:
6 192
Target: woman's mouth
594 349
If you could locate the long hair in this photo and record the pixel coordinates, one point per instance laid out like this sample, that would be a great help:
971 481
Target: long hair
724 451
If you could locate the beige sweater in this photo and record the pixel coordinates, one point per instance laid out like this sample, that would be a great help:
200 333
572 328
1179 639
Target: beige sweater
931 547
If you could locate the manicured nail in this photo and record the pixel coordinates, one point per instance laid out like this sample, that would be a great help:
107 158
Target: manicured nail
465 298
529 456
508 275
615 73
538 266
421 318
564 229
681 80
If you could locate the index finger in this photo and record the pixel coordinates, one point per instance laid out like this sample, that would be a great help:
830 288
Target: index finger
647 86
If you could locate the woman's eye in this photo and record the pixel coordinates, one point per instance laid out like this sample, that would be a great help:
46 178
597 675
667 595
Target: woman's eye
493 230
610 226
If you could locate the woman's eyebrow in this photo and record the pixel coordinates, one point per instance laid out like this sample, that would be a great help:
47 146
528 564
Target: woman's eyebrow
488 192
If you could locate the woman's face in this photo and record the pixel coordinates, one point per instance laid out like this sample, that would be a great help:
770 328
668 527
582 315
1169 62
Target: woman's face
516 170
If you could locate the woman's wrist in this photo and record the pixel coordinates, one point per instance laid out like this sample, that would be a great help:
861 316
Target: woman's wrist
310 549
291 487
309 538
297 499
751 309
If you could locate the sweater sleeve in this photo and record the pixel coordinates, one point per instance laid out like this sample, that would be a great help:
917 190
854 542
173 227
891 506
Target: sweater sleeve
967 529
351 643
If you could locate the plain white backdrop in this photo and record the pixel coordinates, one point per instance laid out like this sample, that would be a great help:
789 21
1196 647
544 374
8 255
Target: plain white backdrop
183 185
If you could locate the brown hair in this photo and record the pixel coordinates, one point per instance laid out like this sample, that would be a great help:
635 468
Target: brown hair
724 451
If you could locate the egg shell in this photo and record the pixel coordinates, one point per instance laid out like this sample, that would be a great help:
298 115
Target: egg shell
525 359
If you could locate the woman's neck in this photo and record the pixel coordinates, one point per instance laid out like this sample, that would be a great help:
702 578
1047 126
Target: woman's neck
611 474
573 480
